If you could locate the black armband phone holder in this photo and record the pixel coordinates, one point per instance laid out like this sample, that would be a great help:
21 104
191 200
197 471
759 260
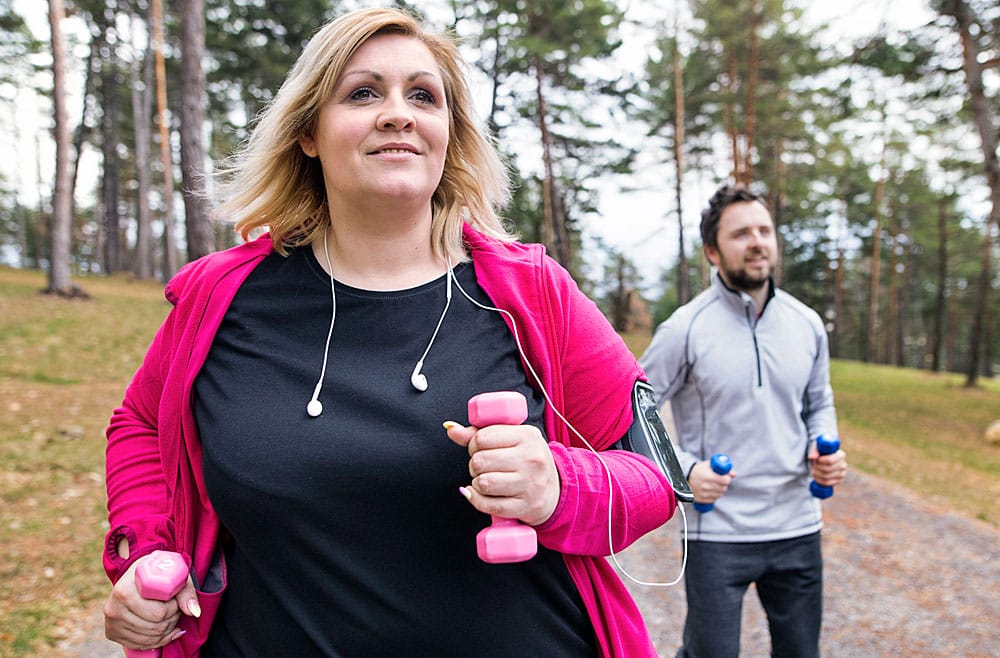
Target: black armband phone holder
648 437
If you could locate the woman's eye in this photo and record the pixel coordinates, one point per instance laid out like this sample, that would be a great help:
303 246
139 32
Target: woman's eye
424 96
362 94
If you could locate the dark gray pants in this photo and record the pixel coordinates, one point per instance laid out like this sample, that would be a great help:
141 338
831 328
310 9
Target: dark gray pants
789 579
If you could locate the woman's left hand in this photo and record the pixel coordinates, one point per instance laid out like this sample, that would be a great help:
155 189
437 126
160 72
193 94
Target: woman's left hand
513 473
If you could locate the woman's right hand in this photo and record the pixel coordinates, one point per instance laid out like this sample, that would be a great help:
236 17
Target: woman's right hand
138 623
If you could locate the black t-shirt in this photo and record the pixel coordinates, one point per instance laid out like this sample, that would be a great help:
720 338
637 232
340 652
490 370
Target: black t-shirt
349 535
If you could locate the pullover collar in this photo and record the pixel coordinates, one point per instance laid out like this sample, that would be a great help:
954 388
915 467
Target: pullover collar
741 301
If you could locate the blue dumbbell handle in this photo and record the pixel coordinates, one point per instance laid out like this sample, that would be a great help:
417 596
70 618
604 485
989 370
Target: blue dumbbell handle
826 445
721 464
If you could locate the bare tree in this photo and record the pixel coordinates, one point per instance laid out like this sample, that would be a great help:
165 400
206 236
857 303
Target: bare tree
169 243
871 344
62 194
969 29
110 139
142 102
683 280
940 308
200 236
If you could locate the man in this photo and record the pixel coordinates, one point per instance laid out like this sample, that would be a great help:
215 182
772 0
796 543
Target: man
745 367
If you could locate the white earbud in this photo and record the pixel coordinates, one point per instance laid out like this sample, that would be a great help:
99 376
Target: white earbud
314 408
418 379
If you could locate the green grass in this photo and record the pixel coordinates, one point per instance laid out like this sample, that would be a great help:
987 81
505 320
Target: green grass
920 429
64 365
923 430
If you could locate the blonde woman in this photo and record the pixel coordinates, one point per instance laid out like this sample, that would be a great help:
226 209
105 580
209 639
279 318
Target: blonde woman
284 432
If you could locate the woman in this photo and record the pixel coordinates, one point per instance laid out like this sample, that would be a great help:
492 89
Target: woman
284 432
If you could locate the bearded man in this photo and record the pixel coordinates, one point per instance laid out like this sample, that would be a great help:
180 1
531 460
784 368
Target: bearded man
745 369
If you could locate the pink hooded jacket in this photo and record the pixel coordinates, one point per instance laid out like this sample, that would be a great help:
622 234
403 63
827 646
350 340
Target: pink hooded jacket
156 491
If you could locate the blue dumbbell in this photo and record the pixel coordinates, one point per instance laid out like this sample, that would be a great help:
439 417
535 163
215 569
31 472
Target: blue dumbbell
827 445
721 464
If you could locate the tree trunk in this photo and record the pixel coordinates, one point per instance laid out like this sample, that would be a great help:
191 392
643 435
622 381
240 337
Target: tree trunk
62 220
982 299
730 121
940 307
169 243
753 65
200 235
981 115
42 221
892 317
988 325
871 343
550 220
619 303
683 282
142 102
978 102
81 133
838 303
112 261
903 303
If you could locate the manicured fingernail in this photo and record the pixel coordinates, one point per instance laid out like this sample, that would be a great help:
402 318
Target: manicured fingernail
465 492
194 608
448 424
177 635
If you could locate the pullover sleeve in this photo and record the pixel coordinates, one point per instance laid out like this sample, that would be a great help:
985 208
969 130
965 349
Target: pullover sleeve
617 486
819 411
138 500
667 365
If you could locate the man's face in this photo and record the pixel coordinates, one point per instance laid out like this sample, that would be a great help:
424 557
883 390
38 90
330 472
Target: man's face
748 248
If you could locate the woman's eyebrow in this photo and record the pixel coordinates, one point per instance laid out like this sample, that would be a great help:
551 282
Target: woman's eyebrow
368 73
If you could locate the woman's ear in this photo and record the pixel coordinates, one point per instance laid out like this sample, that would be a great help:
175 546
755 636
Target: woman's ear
308 145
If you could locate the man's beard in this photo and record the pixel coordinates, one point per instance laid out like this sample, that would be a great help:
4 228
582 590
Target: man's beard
741 280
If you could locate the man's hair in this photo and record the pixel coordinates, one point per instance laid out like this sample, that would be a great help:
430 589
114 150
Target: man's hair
270 183
710 216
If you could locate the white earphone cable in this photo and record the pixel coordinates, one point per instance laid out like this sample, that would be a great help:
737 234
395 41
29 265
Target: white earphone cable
600 458
315 407
447 305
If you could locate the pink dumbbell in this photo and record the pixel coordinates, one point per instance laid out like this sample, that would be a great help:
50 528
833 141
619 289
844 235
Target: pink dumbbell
159 576
504 540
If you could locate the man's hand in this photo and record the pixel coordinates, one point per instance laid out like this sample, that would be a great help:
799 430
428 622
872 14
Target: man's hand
707 485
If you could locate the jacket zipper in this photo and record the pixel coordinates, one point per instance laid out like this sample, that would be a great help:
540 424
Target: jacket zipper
756 348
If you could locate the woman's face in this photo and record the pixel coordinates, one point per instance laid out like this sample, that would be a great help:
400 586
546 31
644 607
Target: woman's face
383 133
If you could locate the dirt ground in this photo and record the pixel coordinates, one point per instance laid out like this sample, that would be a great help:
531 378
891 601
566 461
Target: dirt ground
904 576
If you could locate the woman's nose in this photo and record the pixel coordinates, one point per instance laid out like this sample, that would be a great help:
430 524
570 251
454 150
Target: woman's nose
395 115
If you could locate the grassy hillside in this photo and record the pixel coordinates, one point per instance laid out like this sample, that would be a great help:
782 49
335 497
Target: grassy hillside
65 364
920 429
63 367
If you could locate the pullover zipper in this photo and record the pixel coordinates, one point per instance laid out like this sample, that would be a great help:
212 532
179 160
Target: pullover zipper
756 349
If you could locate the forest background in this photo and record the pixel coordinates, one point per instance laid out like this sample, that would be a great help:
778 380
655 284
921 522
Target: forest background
877 151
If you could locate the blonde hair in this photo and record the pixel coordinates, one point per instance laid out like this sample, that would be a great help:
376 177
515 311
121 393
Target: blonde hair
272 184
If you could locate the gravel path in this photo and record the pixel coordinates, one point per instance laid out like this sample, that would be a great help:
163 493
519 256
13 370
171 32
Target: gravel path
903 577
